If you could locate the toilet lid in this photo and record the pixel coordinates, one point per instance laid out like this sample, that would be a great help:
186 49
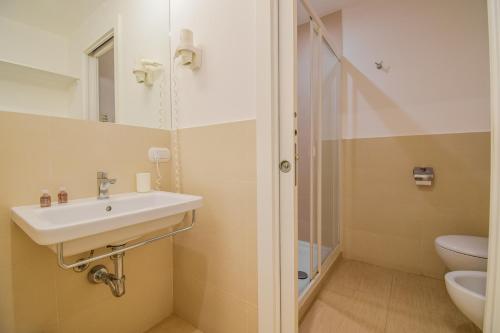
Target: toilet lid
469 245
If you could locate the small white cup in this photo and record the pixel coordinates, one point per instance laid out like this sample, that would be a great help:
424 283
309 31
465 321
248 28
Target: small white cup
143 182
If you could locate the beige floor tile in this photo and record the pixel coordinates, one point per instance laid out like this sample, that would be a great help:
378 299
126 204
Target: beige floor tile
361 312
376 282
421 304
174 324
350 276
340 304
320 319
362 298
345 278
367 313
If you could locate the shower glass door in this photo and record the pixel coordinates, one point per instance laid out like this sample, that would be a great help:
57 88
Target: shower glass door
318 151
304 142
329 135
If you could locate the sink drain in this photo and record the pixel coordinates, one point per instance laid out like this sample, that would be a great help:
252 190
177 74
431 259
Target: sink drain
303 275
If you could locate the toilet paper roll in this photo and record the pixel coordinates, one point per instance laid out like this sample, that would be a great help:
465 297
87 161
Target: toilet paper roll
143 182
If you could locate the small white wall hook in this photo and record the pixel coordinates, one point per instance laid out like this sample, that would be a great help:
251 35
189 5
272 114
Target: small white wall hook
145 72
380 64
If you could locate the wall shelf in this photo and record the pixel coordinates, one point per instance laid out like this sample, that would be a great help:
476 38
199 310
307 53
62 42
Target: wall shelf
25 73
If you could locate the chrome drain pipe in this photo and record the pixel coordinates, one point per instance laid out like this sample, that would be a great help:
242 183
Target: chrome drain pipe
116 280
100 274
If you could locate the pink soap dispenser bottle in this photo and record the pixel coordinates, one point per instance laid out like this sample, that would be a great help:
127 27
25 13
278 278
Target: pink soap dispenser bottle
45 199
62 196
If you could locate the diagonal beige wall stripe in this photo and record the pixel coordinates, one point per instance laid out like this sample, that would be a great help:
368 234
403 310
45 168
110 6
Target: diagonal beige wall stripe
389 221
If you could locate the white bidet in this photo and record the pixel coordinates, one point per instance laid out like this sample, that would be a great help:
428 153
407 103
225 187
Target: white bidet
467 290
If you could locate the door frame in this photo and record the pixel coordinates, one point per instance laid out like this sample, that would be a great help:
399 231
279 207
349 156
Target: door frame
276 264
491 321
287 200
268 227
89 71
276 109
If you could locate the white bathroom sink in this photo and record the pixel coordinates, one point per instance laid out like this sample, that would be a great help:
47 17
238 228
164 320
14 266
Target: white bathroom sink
87 224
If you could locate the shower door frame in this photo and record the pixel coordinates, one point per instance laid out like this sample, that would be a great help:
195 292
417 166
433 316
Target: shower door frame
284 145
317 30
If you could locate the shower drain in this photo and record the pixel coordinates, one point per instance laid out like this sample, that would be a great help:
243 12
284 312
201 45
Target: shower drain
302 275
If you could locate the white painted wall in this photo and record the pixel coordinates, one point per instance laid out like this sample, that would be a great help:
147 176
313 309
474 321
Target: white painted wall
26 91
437 79
24 95
223 90
31 46
141 31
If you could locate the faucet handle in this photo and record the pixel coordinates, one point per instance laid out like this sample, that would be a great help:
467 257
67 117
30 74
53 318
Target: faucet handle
102 175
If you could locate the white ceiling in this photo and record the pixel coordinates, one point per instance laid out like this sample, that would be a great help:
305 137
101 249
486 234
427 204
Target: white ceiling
324 7
56 16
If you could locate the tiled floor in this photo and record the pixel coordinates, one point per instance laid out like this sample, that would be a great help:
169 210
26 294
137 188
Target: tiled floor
360 298
174 324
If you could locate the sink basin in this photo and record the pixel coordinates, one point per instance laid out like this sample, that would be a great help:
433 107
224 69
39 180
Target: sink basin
88 224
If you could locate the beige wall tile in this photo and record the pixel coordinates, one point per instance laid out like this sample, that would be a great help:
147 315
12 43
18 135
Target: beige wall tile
380 249
222 248
40 152
34 285
206 307
215 264
219 152
218 162
6 301
252 314
148 299
390 221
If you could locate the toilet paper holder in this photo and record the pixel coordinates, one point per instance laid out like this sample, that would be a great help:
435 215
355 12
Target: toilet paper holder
423 176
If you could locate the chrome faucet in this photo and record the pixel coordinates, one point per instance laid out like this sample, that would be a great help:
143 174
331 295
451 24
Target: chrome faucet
103 183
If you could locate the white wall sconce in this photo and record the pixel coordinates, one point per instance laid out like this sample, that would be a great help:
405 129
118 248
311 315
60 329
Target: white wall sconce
145 73
189 54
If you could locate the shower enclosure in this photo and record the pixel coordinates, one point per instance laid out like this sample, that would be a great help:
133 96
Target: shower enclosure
318 150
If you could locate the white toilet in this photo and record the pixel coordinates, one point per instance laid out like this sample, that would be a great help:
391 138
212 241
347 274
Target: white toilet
467 289
463 253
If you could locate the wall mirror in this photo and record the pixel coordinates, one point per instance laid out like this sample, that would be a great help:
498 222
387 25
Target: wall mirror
101 60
